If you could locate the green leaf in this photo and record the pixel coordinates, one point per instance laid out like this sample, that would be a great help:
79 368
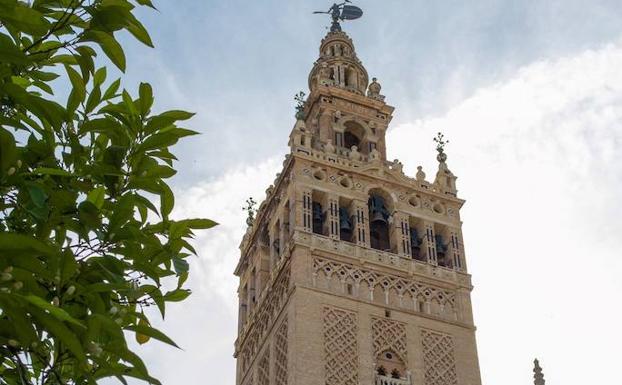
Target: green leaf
57 312
200 223
146 2
112 89
182 279
180 265
177 295
157 141
97 197
8 150
138 30
51 171
167 200
9 53
109 18
109 45
12 242
78 91
45 76
93 100
55 327
100 77
177 115
146 98
37 195
88 214
85 61
152 332
26 19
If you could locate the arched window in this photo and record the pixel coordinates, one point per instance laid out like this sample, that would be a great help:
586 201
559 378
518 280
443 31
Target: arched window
353 135
350 140
389 364
378 223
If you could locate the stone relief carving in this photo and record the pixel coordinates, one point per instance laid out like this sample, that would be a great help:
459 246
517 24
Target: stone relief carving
406 292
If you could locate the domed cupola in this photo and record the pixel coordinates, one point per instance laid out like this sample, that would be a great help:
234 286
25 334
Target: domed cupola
338 65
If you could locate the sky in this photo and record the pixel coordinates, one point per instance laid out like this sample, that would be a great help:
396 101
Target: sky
529 93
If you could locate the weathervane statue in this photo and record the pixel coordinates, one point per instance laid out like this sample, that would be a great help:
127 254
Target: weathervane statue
342 11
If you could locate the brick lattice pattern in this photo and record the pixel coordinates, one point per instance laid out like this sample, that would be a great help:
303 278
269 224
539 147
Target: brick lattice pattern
263 369
438 358
280 355
389 335
340 347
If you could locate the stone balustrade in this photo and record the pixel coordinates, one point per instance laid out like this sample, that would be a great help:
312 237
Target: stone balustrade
385 380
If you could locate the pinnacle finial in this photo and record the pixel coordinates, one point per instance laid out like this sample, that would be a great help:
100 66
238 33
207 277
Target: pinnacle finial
538 377
250 210
300 104
440 141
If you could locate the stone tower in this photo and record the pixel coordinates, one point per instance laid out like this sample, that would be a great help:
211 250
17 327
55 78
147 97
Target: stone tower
352 272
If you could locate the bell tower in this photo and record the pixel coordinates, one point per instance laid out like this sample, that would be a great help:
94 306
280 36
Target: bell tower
352 272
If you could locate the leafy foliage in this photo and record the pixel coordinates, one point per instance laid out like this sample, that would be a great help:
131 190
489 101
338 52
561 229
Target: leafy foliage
82 247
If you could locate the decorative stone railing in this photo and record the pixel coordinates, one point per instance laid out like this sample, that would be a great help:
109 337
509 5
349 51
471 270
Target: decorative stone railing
367 254
340 156
384 380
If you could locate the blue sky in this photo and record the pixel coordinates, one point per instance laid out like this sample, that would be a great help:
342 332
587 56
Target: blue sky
529 94
239 63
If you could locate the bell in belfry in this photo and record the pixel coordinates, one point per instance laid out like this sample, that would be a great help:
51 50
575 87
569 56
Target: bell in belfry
318 218
345 224
378 212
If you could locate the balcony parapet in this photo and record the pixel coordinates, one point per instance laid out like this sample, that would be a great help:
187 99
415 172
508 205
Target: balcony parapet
385 380
364 254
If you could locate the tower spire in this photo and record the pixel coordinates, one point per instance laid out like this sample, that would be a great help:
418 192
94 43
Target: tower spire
538 377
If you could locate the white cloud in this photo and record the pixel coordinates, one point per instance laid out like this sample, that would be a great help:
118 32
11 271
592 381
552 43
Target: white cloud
537 160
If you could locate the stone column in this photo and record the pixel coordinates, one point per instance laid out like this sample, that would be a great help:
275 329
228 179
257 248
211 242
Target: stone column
455 249
429 244
332 216
361 222
304 203
400 234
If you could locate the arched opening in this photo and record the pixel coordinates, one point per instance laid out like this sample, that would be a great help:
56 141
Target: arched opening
318 214
389 364
350 140
416 239
346 225
354 135
351 78
379 215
